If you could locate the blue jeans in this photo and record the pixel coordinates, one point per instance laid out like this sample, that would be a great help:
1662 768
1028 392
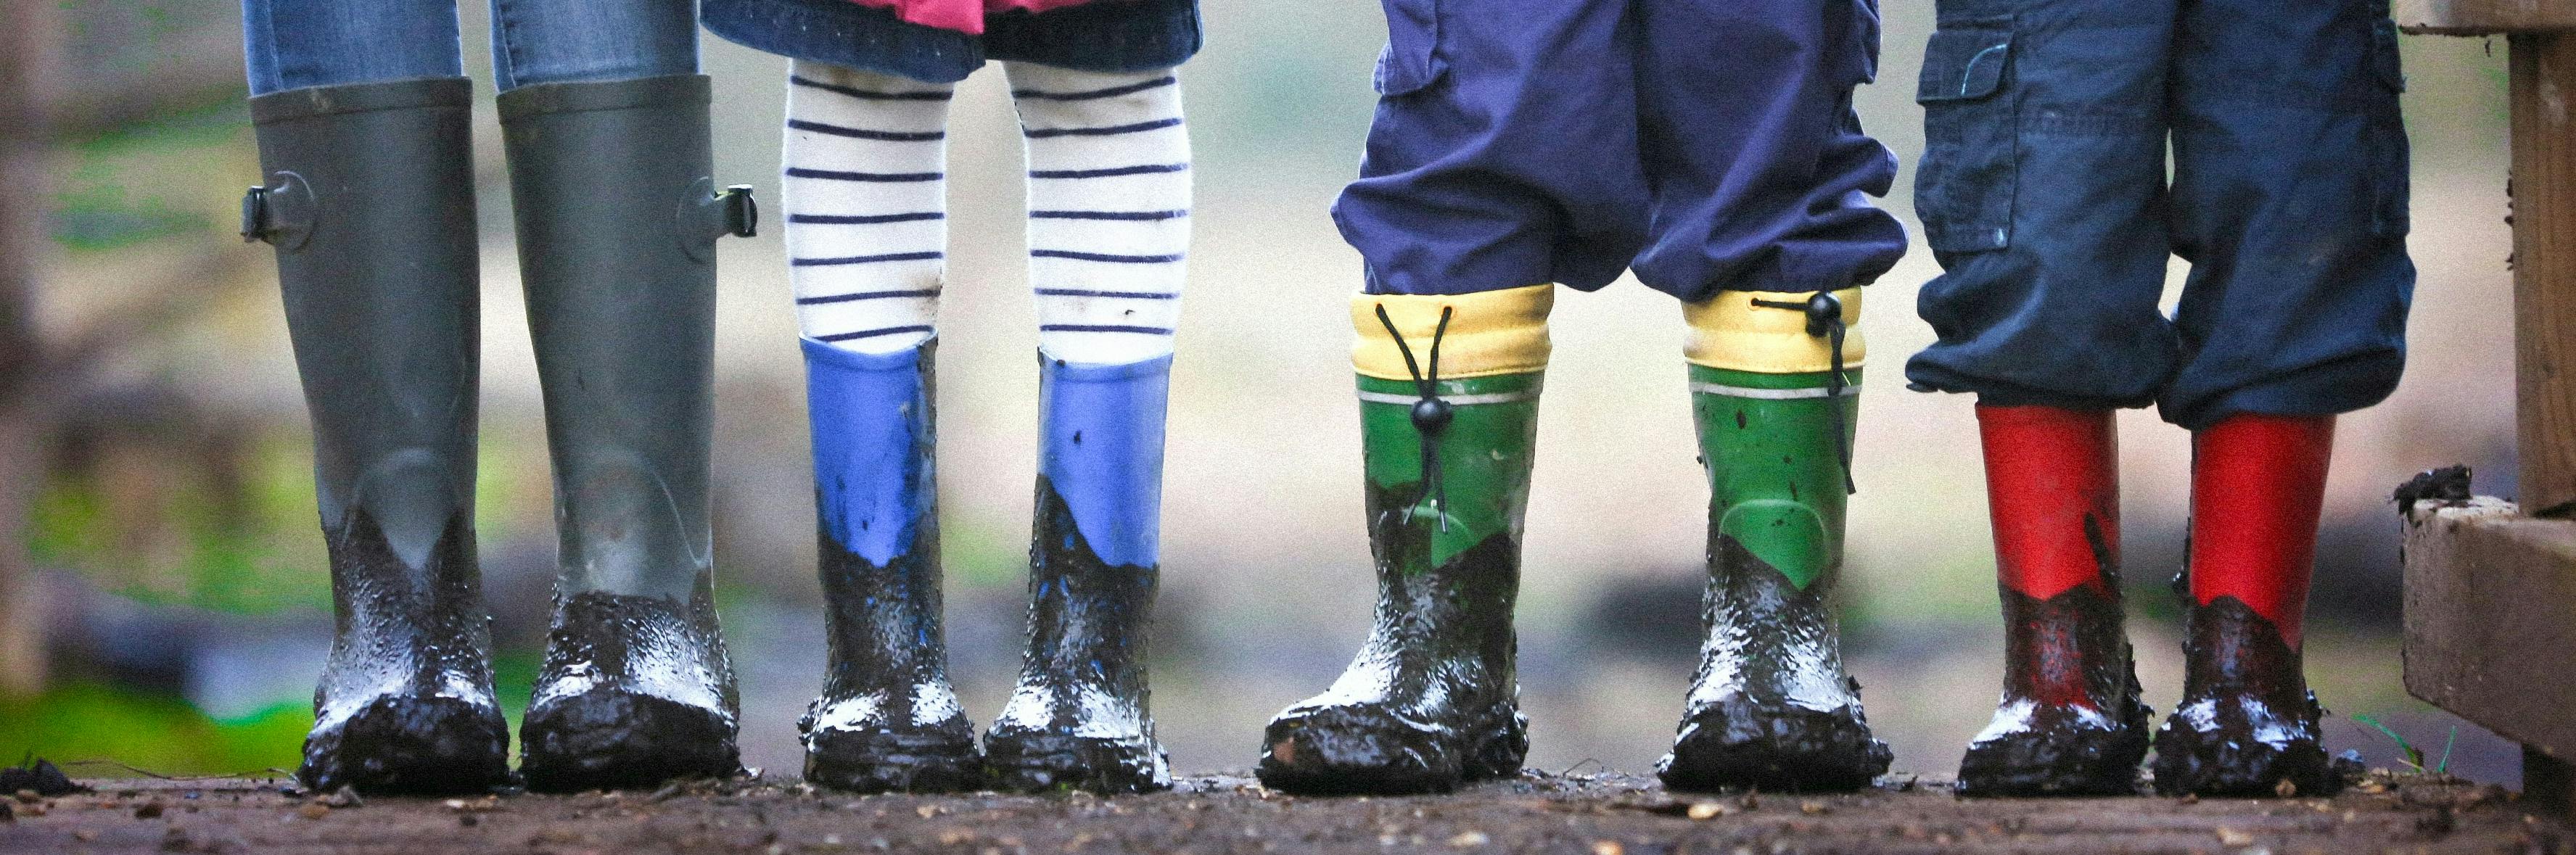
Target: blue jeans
2044 194
1710 144
292 44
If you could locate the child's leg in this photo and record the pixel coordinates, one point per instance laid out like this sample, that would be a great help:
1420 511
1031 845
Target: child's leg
2295 311
866 197
364 117
1109 200
1760 171
866 229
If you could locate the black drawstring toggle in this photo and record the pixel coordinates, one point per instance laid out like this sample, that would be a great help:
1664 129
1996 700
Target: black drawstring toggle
1430 415
1825 320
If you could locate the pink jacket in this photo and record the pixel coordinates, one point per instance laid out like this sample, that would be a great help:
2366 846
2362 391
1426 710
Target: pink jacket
965 16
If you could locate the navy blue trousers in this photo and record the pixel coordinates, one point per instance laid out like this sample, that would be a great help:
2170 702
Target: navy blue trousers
1709 144
2045 195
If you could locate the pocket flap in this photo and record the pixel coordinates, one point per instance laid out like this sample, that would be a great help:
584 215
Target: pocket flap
1964 63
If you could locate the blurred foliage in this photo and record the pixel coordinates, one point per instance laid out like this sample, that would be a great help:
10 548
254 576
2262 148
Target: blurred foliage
163 734
112 196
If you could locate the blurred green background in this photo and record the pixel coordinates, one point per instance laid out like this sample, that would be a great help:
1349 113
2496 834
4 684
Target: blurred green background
166 602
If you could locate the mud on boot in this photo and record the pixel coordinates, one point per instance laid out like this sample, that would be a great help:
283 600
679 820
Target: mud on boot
2247 721
635 691
1432 698
1081 717
1771 708
888 719
1431 701
369 201
1774 397
2071 722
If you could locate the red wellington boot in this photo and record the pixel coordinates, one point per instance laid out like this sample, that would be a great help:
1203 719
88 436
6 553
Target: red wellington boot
2247 721
2070 722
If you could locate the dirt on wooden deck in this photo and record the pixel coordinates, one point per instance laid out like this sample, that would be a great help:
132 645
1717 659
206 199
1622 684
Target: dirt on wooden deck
1609 814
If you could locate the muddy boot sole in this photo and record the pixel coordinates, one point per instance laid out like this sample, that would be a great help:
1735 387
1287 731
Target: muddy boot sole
2059 762
1038 762
411 745
2194 762
1366 750
1732 745
607 740
891 762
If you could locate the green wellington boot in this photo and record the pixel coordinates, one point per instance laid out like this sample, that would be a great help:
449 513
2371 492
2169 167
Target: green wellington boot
1770 707
617 223
369 201
1449 390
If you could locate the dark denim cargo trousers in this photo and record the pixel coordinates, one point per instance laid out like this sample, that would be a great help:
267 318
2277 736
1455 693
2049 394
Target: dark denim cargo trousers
2045 195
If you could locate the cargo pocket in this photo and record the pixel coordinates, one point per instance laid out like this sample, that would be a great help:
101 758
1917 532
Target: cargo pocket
1963 191
2389 156
1412 56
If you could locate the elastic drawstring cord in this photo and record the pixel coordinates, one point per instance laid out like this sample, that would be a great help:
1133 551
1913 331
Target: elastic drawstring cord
1430 415
1825 318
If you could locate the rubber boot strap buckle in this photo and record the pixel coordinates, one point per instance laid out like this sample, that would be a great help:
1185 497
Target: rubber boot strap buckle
707 214
279 212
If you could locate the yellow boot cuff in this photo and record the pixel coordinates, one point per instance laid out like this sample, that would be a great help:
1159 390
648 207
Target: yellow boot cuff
1493 332
1729 332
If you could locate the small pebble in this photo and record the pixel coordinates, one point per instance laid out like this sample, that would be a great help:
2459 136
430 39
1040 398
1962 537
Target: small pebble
315 810
1814 808
1469 839
1706 810
1608 847
2286 788
2232 837
148 810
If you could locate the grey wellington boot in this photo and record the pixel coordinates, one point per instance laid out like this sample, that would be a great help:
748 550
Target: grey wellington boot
369 201
617 223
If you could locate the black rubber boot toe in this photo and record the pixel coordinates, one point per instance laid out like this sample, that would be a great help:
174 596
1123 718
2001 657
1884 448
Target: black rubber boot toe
606 740
2059 758
939 760
1735 743
1033 761
1354 749
411 745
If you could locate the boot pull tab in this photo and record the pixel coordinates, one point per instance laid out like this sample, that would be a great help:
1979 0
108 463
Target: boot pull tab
279 212
707 214
1825 320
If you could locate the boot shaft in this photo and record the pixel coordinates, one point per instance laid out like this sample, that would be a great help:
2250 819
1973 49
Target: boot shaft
1095 553
2052 487
877 523
617 216
369 201
2257 488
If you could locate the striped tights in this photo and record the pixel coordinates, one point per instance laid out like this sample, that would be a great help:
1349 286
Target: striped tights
1108 196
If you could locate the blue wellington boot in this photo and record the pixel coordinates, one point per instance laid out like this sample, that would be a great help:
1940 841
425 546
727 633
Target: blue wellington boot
888 719
1079 719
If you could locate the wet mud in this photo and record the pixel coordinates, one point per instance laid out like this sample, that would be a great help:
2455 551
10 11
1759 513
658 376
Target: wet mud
40 776
1081 717
1431 701
2071 722
2247 721
605 715
1228 815
888 720
405 703
1770 707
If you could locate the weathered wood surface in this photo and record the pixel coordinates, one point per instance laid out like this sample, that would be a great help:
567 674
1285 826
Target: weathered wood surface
2491 619
2544 243
2480 17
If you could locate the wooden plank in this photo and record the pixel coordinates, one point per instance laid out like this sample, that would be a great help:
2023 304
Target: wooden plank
2544 273
2490 613
2483 17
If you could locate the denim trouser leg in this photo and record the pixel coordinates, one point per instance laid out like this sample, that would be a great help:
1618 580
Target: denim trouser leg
2043 193
563 41
292 44
1758 165
2289 199
1504 153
